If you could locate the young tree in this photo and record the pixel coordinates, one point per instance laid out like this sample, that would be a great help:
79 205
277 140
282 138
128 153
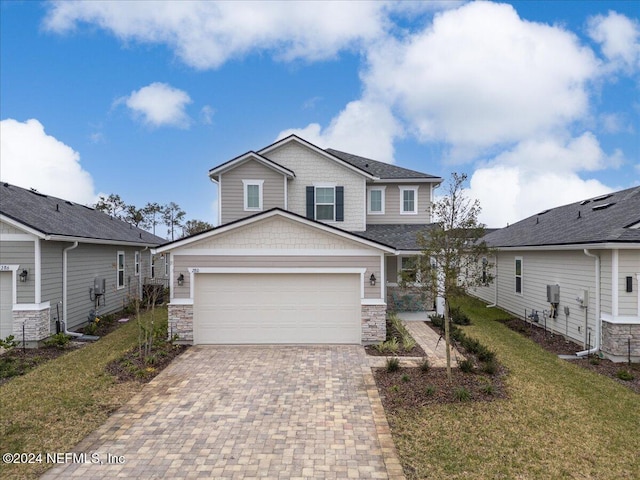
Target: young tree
172 216
112 205
452 251
152 213
191 227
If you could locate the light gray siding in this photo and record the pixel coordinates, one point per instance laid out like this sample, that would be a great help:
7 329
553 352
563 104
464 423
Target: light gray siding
8 229
23 254
628 266
392 205
183 262
605 281
232 189
51 255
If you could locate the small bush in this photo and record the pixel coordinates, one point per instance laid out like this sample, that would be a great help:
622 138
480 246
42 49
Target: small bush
425 366
484 354
466 365
9 342
430 390
408 343
395 388
625 375
488 389
437 320
458 316
594 361
490 366
471 345
59 340
381 347
405 378
393 364
392 345
462 394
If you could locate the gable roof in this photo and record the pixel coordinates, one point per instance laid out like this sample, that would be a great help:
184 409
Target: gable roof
382 170
270 213
54 218
603 219
251 155
401 236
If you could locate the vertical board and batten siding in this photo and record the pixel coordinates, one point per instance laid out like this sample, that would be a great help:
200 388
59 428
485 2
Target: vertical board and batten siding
605 281
21 253
572 270
392 204
232 190
312 168
628 266
183 262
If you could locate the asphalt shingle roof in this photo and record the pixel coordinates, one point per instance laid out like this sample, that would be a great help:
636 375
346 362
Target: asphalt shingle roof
379 169
55 216
596 220
399 236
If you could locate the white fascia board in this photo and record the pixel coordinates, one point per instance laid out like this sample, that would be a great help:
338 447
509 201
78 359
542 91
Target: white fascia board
245 158
181 301
620 319
574 246
408 180
21 226
269 270
311 146
372 301
96 241
271 252
35 307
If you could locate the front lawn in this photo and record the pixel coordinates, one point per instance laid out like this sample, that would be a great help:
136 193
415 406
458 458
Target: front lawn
560 421
53 407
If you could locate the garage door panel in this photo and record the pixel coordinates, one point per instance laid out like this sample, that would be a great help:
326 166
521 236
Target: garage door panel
277 308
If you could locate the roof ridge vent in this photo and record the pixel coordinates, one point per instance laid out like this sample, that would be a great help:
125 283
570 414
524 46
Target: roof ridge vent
602 206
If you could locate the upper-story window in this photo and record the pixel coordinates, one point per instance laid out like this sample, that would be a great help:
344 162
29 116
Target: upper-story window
408 200
375 201
325 203
253 194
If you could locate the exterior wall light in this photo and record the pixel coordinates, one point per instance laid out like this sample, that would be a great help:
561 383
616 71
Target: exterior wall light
372 280
181 280
23 275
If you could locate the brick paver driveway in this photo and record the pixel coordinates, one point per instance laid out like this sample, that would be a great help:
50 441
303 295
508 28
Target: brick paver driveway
245 412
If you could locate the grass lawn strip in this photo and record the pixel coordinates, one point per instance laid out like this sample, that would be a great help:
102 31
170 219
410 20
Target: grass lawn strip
560 421
53 407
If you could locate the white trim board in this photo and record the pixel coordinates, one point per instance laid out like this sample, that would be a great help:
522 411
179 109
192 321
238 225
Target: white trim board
270 252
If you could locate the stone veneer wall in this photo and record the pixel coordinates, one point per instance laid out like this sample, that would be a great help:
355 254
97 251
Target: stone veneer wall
36 325
408 299
181 322
374 323
615 341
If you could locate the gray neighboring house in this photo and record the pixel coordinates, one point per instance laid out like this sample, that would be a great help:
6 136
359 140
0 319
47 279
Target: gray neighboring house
59 260
587 254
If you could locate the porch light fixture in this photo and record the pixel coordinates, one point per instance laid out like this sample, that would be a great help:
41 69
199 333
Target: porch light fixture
372 280
181 280
23 275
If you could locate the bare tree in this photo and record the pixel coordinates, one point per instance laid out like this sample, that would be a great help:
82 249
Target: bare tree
172 216
152 213
112 205
191 227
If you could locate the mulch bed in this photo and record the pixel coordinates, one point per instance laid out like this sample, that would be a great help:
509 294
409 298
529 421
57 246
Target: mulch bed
18 362
132 367
557 344
416 351
411 388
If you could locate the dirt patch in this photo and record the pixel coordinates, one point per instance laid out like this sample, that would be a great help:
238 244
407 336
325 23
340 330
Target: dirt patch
132 367
557 344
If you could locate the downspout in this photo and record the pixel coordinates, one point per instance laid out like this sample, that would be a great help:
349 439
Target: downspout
596 346
64 290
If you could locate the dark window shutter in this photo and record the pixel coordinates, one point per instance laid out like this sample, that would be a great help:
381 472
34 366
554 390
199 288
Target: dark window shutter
339 204
311 203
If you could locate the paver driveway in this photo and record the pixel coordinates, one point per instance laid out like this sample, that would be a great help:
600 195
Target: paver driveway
246 412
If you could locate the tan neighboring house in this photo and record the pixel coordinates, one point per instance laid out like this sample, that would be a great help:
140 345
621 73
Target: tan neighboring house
60 260
309 248
578 267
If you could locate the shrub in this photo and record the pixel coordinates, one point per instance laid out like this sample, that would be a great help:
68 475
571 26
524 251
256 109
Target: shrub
393 364
458 316
466 365
408 343
9 342
392 345
405 378
488 389
625 375
490 366
437 320
430 390
381 347
456 334
484 354
471 345
594 361
425 366
395 388
462 394
59 340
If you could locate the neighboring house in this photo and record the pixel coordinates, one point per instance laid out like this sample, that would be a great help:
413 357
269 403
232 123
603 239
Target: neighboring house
60 260
587 255
310 244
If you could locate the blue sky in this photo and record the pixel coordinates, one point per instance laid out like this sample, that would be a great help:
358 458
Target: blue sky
536 101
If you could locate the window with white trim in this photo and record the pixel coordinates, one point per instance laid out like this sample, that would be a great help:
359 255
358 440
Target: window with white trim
153 266
408 200
252 194
408 267
485 273
120 270
325 205
137 263
375 202
166 265
518 275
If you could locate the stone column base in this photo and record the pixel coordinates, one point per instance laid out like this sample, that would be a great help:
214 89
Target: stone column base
181 323
616 339
374 323
36 323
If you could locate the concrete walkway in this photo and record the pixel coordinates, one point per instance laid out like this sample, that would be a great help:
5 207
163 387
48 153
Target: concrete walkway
272 412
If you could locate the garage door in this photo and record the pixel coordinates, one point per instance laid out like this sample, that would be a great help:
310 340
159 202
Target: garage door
276 308
6 304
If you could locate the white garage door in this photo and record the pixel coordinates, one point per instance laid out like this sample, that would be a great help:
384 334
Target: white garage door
6 304
277 308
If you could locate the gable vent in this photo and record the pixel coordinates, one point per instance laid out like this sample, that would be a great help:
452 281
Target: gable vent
603 206
602 197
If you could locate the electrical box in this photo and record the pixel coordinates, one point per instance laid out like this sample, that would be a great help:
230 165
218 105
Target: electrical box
99 286
583 298
553 293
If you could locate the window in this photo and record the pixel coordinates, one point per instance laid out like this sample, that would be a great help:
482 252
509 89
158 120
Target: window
408 268
519 275
166 265
485 265
120 265
408 200
376 201
252 194
325 203
137 263
153 266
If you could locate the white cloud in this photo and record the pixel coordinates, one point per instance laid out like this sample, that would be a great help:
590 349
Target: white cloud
206 114
619 37
30 158
159 105
362 128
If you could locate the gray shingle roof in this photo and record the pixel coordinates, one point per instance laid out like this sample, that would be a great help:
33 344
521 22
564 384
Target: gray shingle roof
379 169
55 216
399 236
577 223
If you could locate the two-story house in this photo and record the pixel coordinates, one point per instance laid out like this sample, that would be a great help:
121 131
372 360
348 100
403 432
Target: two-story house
310 243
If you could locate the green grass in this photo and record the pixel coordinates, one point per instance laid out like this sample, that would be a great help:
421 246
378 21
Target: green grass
56 405
561 421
